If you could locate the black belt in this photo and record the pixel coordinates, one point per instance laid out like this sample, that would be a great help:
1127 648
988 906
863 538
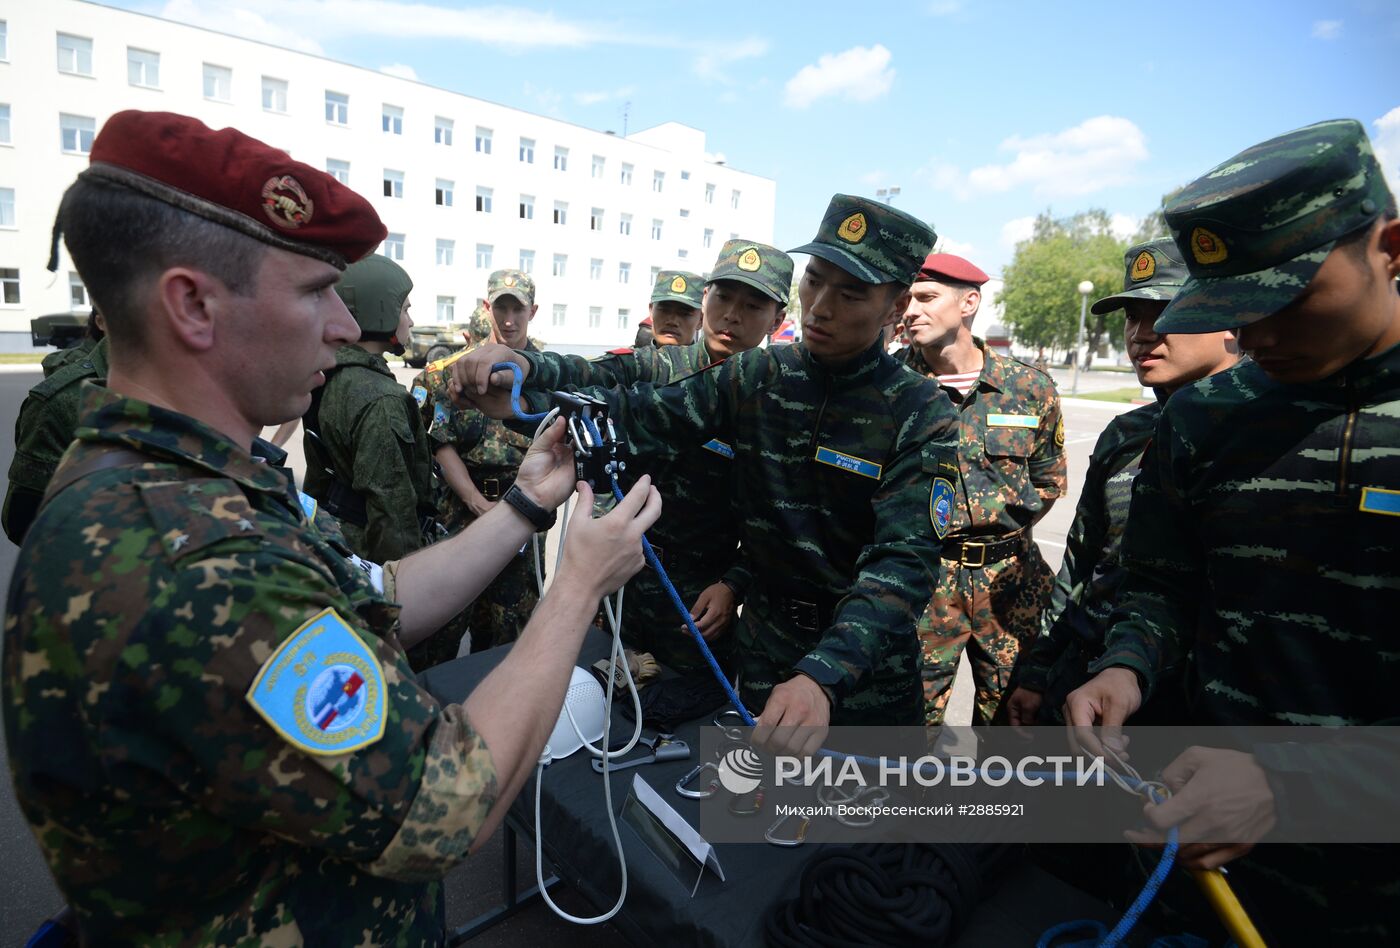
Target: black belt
494 487
974 553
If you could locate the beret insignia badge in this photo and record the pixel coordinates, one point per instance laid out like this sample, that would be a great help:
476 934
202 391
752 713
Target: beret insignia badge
286 202
1207 247
749 260
678 285
509 281
852 229
1144 266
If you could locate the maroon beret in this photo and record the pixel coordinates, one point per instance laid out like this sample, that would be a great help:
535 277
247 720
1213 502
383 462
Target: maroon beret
948 266
232 179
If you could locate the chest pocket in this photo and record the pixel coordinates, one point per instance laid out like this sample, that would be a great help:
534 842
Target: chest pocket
189 516
1009 442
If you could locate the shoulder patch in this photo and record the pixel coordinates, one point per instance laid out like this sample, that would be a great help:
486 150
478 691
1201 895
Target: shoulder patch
191 515
420 395
1060 432
940 505
308 504
323 690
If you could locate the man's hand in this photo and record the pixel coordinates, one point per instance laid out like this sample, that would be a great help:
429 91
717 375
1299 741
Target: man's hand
1221 803
1022 706
479 505
474 384
795 719
713 612
1108 699
603 553
546 474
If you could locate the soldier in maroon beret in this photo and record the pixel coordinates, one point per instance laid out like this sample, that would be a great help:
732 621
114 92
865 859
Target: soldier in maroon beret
210 718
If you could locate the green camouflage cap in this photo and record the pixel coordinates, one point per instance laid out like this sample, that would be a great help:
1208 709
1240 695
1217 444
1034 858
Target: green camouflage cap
1151 271
766 269
871 240
515 282
1254 230
479 327
678 286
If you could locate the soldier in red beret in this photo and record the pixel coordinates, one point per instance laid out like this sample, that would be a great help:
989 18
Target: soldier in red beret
992 582
211 722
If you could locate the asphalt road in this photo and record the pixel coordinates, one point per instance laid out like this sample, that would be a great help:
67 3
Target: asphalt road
27 892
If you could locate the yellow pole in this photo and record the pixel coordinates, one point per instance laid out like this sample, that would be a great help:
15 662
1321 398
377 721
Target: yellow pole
1232 914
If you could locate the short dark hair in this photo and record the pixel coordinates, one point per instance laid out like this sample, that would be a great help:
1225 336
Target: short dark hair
118 238
1354 243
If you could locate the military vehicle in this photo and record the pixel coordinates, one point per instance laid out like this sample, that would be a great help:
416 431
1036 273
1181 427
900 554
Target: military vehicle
60 330
430 343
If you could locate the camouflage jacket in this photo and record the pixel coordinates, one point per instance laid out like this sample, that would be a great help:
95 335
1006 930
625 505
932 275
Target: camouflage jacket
43 431
696 538
371 436
1086 587
832 483
1010 446
1276 505
168 806
56 360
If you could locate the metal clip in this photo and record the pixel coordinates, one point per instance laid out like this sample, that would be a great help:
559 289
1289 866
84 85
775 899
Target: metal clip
790 842
731 724
746 804
710 789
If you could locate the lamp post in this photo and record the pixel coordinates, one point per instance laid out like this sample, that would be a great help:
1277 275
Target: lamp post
1085 288
887 194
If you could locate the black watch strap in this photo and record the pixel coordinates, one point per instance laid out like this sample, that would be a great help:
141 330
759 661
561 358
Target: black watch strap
539 518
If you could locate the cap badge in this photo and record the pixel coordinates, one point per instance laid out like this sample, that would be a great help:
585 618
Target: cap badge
1144 266
1206 247
286 203
852 229
678 285
508 280
749 260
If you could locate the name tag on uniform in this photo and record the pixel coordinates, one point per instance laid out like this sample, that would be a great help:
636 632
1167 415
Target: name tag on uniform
308 504
1378 500
719 447
1013 421
849 462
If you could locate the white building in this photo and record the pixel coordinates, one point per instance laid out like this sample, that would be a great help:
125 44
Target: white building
464 186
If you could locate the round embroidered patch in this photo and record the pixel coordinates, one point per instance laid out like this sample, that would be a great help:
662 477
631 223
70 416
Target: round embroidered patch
940 506
286 203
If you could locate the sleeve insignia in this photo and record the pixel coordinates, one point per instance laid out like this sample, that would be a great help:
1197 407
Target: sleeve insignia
940 506
308 504
1060 432
440 414
323 690
420 395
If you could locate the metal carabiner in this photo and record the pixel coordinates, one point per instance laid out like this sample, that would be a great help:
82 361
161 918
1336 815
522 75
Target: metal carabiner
746 804
710 789
736 729
875 795
792 841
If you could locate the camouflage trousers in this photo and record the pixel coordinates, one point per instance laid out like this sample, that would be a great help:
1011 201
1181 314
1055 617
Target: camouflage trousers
990 611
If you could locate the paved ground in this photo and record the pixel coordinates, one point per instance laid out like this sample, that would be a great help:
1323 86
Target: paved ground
27 894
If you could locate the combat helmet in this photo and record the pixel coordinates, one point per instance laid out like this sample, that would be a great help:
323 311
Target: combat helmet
374 290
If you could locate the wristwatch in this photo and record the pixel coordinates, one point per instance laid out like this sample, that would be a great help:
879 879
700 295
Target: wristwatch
539 518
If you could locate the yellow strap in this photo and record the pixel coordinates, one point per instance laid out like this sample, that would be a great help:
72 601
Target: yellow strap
1231 913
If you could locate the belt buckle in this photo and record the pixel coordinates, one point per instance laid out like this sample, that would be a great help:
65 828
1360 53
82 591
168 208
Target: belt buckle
981 549
804 615
491 488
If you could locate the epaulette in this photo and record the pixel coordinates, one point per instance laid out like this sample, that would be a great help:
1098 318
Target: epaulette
65 376
621 352
192 515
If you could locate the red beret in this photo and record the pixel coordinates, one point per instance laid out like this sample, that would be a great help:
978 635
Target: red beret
232 179
948 266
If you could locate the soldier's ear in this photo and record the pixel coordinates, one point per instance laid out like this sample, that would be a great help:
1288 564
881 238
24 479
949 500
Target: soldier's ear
1390 245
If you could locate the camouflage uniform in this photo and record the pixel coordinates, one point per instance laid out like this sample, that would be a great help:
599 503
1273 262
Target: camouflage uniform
43 431
1274 504
56 360
1011 455
371 435
424 386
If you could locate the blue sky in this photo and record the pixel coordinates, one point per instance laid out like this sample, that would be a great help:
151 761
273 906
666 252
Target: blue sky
982 113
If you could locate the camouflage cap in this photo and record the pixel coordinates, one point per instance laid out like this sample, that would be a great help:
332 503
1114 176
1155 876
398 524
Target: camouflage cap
871 240
678 286
1254 230
515 282
479 326
1151 271
766 269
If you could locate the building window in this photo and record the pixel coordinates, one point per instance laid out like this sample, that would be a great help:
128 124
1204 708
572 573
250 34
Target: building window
624 318
446 309
709 194
442 193
76 132
624 225
561 264
9 285
561 159
77 292
483 200
4 41
561 212
658 181
527 207
274 94
685 175
218 83
709 238
4 124
527 150
655 229
560 311
527 261
393 246
393 183
626 176
442 131
655 272
7 207
391 120
340 170
74 54
624 272
595 268
682 253
483 140
483 256
142 68
595 219
684 213
337 108
599 164
734 199
595 313
446 249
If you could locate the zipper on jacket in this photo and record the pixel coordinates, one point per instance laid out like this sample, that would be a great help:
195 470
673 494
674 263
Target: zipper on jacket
1344 450
821 413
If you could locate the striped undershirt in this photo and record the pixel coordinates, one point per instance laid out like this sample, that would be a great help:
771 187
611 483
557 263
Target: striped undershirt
960 382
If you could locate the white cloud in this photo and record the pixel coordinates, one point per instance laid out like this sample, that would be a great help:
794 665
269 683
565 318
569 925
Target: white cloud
713 62
401 70
596 98
245 20
956 246
1016 230
1326 29
1123 226
860 74
944 7
873 178
546 99
1387 144
1097 153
